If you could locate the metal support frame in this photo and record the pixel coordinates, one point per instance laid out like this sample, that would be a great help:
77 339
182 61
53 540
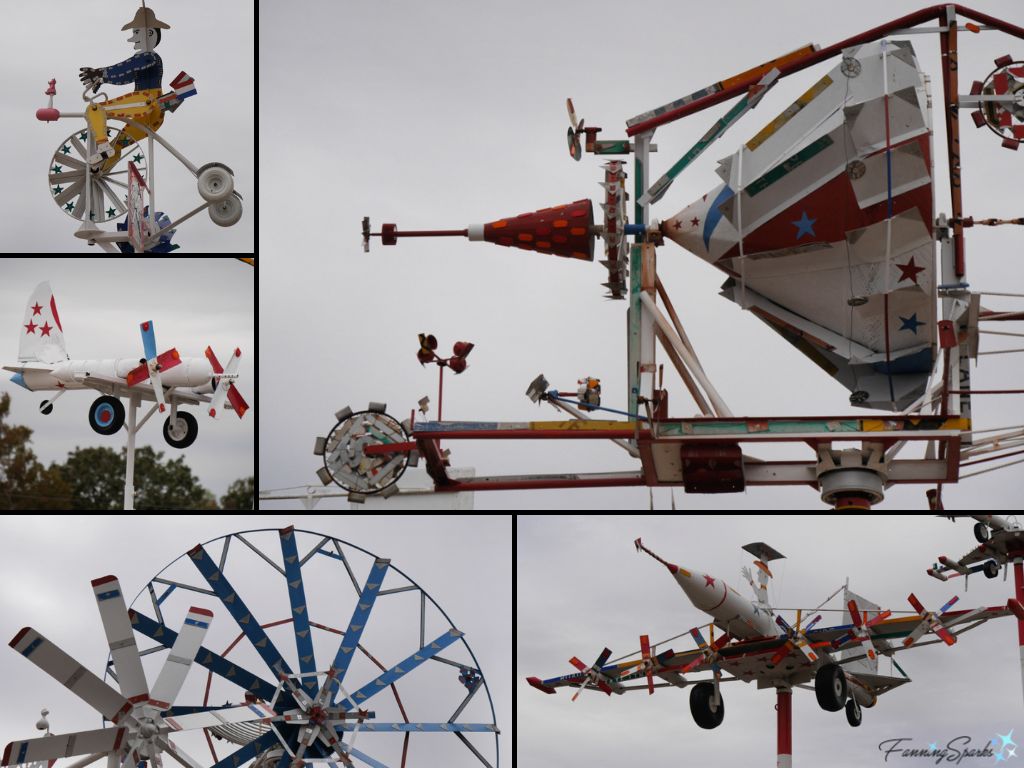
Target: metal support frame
129 471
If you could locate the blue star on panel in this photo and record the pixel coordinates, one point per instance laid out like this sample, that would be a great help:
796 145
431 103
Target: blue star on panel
910 323
804 225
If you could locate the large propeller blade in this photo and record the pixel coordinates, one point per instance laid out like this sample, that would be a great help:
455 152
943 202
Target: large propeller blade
592 674
648 665
121 639
100 741
176 665
575 129
930 621
225 384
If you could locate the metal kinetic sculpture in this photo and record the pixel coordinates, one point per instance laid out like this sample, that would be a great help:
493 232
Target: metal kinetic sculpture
101 173
301 712
824 223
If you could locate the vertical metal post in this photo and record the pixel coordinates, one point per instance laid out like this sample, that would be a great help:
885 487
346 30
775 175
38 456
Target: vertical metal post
951 102
640 336
129 471
784 708
151 175
440 391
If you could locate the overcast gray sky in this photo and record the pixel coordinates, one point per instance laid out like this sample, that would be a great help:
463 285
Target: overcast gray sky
463 563
580 586
192 303
448 113
212 42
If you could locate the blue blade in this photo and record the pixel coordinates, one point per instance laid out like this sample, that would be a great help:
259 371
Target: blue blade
249 751
246 622
403 668
814 621
349 641
300 614
364 757
698 637
148 339
784 624
205 657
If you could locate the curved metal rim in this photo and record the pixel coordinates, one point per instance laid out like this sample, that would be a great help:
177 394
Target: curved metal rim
397 477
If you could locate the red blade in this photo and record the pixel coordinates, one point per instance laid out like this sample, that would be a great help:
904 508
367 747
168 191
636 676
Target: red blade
645 651
854 613
604 686
942 632
137 375
236 401
1001 83
916 603
578 664
217 368
169 359
780 654
880 617
721 642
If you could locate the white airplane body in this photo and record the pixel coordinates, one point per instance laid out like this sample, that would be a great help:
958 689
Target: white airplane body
167 379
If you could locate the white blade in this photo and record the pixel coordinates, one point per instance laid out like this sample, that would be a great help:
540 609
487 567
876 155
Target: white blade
224 383
121 638
72 675
158 388
246 713
176 666
69 745
179 755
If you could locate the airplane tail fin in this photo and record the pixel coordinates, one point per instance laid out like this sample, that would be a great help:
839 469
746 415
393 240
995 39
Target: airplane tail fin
42 337
866 665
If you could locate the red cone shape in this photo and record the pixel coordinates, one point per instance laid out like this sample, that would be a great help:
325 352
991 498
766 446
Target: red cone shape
565 230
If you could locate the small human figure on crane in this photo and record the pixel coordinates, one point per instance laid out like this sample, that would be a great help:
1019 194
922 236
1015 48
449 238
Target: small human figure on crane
145 69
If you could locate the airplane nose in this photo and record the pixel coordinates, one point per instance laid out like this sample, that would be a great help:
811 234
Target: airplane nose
703 590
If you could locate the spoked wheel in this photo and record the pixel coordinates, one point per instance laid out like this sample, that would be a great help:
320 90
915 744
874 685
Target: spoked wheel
109 187
344 659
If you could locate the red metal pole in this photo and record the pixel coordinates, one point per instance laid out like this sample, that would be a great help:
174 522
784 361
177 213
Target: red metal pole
951 101
784 708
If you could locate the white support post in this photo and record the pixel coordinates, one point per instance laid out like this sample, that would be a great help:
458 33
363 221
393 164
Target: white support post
129 472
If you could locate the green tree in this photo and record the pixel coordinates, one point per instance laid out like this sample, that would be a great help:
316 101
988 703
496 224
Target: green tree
240 494
24 482
96 476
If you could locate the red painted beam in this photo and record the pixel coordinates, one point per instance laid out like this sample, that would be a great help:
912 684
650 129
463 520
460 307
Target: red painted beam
931 13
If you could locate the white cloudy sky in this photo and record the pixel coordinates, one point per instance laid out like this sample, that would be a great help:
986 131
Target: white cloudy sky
212 42
463 563
192 303
443 114
580 586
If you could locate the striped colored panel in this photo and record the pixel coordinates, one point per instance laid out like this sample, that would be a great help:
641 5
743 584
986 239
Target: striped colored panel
790 164
107 595
195 623
789 112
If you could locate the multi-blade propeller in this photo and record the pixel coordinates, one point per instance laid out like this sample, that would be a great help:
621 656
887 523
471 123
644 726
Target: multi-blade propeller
151 366
592 674
930 621
225 384
796 638
859 631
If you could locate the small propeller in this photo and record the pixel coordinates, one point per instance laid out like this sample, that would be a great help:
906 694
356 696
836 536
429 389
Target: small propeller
859 631
932 621
575 129
592 674
797 638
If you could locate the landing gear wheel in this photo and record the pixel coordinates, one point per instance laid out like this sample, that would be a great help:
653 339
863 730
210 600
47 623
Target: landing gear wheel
853 713
216 182
46 407
106 415
991 569
981 533
830 687
702 706
183 432
226 212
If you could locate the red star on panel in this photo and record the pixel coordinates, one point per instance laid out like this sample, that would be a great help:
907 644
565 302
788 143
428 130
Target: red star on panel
909 271
31 327
677 224
708 581
694 221
37 310
45 329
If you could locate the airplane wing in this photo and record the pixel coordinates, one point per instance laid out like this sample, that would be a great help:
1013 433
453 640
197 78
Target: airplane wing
752 660
29 367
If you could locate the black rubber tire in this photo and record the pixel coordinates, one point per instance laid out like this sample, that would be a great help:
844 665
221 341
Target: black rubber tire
830 687
700 706
46 408
112 409
192 430
853 713
981 533
991 569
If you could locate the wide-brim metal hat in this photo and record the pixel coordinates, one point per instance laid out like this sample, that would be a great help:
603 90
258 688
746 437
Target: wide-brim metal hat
145 19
